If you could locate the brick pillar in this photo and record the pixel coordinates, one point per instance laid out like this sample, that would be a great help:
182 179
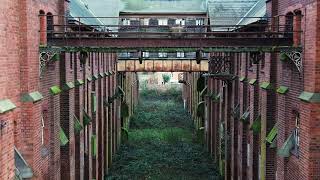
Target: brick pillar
67 120
110 116
229 119
78 109
101 117
209 119
243 128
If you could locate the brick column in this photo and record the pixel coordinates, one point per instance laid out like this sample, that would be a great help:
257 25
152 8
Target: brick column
67 119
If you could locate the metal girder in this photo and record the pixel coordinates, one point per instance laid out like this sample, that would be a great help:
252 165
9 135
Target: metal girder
162 66
170 42
266 49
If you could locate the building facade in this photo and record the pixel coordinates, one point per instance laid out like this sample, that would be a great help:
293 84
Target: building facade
264 122
60 111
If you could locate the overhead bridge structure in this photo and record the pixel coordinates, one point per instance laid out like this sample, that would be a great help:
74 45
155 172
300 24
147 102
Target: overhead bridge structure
266 32
264 35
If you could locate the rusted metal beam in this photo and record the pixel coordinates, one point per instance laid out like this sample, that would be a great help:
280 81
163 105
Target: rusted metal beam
170 42
162 66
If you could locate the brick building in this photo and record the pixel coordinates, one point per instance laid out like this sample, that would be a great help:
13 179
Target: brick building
263 123
62 111
59 111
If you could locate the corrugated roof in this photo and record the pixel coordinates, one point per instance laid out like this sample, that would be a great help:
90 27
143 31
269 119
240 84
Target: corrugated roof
164 6
258 10
233 12
79 9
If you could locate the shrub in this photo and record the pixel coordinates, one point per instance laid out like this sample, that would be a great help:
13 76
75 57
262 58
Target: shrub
166 78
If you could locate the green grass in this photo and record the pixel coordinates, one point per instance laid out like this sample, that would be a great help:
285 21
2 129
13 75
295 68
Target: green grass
162 143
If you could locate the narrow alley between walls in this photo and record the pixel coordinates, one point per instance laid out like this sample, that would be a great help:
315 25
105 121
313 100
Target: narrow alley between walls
162 142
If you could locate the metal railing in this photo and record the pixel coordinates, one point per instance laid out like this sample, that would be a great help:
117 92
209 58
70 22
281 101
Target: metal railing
139 27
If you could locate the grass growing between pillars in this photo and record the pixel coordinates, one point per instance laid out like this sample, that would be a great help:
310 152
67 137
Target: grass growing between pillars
162 143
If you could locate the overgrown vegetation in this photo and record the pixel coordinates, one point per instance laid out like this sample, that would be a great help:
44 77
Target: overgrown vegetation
166 78
162 143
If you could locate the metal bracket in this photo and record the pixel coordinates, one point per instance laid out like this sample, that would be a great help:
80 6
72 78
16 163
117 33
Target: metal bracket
296 57
45 58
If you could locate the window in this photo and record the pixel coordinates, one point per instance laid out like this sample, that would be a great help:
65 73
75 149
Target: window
146 22
181 22
297 27
126 22
199 22
163 55
180 54
163 22
145 54
289 25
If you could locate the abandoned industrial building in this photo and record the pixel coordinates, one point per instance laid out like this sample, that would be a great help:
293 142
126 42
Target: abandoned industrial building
160 89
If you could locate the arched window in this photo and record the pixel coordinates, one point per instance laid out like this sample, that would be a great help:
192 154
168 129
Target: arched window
42 28
297 27
289 25
49 25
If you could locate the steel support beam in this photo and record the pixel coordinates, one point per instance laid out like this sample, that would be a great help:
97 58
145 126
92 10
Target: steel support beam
170 42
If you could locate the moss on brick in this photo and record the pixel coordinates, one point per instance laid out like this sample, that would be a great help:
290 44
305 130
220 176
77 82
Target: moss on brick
253 81
79 82
6 105
32 97
68 86
54 90
282 90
